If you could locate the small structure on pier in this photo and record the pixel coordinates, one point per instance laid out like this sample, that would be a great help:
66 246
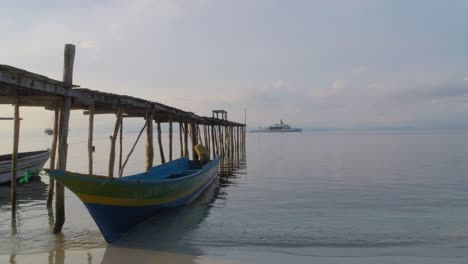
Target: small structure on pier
23 88
222 112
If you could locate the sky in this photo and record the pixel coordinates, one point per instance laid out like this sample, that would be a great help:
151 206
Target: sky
314 64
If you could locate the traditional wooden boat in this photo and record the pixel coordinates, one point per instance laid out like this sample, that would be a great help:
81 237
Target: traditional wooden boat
117 204
32 161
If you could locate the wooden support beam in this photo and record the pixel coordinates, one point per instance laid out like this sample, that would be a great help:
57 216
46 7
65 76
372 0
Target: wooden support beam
113 139
90 139
161 150
120 146
212 143
69 58
149 141
186 152
170 138
53 152
180 140
14 161
193 128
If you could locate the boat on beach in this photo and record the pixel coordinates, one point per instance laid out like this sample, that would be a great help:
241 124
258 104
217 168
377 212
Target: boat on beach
281 127
27 161
118 204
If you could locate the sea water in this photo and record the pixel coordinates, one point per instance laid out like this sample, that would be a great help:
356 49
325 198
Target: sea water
311 197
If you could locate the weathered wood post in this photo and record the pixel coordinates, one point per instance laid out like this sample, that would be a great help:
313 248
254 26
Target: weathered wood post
149 141
213 142
14 159
120 146
69 58
170 137
186 152
180 140
113 138
53 152
193 127
161 151
90 139
220 139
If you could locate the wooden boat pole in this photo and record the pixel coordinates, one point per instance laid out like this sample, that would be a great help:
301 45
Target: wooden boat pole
170 137
69 58
90 139
186 152
180 140
53 152
161 151
113 138
14 159
133 148
149 141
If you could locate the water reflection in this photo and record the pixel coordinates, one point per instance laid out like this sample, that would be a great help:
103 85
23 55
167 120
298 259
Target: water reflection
168 233
164 238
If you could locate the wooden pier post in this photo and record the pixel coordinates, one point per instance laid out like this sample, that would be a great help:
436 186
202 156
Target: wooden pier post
90 139
118 123
161 150
14 159
149 141
220 140
69 58
120 146
186 152
213 144
170 138
53 152
180 140
193 127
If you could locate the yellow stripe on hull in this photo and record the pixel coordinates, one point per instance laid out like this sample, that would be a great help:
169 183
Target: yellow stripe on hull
105 200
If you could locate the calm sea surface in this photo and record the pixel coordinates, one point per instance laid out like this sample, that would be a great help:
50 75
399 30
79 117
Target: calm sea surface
312 197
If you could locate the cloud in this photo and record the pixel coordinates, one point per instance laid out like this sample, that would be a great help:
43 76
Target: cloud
89 44
359 70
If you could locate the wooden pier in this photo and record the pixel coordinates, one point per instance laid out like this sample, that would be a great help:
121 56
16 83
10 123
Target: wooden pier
21 88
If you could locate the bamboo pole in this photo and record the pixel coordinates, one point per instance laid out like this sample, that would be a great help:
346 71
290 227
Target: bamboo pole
69 58
14 159
161 150
90 139
186 152
53 152
149 141
170 138
113 138
180 140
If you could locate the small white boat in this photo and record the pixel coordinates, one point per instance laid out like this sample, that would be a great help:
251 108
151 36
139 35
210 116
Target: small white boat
32 161
277 128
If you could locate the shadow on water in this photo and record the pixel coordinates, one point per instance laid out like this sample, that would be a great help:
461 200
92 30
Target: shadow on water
168 231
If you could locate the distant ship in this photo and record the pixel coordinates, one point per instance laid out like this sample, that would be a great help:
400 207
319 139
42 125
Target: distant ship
281 127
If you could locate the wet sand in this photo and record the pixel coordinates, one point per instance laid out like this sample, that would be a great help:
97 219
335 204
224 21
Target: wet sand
110 255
